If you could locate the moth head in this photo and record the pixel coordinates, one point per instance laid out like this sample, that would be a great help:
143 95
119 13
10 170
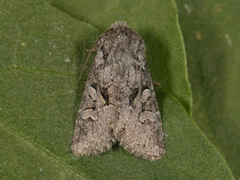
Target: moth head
121 39
119 25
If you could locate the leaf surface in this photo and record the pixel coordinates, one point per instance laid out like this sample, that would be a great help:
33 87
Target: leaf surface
42 55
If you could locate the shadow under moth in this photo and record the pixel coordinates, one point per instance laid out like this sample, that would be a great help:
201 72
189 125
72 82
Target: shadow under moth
119 102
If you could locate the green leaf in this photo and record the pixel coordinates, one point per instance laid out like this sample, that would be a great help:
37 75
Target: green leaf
212 37
41 57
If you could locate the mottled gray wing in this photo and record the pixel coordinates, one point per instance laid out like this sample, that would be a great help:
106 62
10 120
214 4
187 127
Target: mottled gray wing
139 126
93 128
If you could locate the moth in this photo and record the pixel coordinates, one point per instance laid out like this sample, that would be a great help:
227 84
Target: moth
119 103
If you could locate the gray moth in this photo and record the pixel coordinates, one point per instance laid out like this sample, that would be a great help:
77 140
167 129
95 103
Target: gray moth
119 102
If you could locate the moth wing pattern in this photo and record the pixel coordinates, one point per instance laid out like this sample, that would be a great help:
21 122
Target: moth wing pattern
119 102
139 127
93 130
